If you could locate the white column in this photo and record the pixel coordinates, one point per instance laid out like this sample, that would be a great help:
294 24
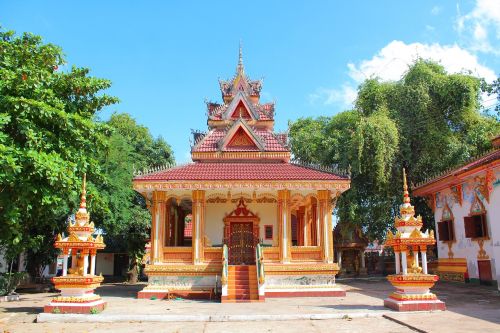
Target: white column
404 263
85 264
424 261
398 266
362 259
92 264
65 265
73 259
415 253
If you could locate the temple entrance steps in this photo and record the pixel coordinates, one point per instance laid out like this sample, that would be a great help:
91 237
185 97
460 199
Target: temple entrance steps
242 284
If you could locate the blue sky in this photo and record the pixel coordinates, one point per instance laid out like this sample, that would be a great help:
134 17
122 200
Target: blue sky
164 57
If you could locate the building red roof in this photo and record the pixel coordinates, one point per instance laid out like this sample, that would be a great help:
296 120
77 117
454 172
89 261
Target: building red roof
240 171
479 162
211 141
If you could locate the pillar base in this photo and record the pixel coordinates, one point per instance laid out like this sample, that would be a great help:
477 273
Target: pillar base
76 306
403 306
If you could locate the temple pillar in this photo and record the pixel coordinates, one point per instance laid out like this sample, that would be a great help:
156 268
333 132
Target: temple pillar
301 212
85 263
325 223
73 258
398 266
423 252
363 264
415 255
158 216
285 225
404 263
312 225
339 258
92 262
198 197
65 263
306 227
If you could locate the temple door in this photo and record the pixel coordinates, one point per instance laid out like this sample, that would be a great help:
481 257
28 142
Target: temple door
241 244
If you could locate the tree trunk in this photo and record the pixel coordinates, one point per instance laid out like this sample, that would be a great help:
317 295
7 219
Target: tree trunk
133 273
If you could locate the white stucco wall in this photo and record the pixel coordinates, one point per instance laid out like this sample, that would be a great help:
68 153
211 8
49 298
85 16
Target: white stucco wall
465 247
215 213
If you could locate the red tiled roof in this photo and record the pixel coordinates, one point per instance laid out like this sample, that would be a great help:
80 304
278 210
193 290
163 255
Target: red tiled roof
485 159
209 143
239 171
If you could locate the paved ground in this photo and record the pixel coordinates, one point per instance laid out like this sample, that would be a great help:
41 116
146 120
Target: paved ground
471 308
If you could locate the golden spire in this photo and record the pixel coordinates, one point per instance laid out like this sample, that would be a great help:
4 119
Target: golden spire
406 195
240 69
83 197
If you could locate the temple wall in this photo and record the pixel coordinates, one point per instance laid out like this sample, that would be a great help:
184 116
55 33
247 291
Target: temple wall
215 212
466 247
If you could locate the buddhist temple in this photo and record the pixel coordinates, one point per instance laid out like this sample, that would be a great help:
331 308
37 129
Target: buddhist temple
412 279
77 283
466 203
242 220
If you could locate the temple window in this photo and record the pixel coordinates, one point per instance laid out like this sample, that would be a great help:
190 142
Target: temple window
445 226
475 224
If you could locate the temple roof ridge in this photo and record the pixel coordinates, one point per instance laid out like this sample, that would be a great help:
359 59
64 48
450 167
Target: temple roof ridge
334 169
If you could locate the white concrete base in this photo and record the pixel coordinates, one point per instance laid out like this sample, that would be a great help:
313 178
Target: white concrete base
108 318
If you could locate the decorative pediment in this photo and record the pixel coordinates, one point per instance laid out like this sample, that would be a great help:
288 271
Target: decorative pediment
240 107
477 206
447 214
241 210
241 136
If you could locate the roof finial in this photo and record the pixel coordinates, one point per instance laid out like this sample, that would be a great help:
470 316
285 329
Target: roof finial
240 68
83 197
406 195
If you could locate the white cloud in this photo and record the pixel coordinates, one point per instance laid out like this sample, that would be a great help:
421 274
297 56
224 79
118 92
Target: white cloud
476 26
344 96
392 61
436 10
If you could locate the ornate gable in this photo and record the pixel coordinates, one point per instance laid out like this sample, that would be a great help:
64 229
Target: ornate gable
241 137
240 107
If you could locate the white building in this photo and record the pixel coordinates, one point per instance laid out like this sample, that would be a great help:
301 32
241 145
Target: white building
466 205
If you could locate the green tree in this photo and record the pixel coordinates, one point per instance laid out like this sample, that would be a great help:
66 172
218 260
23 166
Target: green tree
117 207
48 139
427 121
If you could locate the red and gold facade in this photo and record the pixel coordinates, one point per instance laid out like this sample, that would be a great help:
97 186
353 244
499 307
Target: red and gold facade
412 280
241 190
78 282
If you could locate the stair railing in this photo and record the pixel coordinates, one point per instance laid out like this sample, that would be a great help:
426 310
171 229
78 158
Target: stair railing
225 270
261 279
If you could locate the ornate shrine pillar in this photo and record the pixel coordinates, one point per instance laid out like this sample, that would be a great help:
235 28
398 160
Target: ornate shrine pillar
301 212
198 197
285 225
325 209
65 262
157 226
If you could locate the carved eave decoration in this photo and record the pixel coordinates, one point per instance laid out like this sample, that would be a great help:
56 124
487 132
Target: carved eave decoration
152 185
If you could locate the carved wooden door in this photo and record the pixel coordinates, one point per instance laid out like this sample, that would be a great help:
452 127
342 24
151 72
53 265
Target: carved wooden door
241 244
